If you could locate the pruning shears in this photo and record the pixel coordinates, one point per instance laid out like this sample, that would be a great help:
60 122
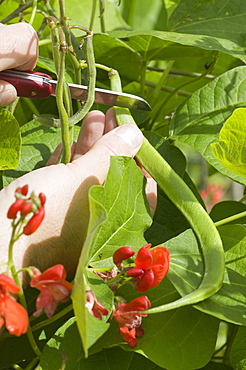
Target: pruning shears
30 84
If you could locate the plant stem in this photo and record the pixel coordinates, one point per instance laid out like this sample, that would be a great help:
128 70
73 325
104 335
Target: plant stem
169 89
182 73
143 77
80 114
232 332
163 105
102 8
62 110
161 82
15 236
53 318
34 10
32 365
16 12
93 13
230 219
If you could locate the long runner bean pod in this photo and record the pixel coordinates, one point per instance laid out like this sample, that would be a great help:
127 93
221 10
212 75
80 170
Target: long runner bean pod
183 198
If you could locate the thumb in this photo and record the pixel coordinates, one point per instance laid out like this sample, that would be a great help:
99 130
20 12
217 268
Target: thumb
7 93
124 140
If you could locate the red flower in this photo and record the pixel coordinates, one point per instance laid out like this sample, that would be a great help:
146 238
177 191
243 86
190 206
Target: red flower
94 306
15 208
34 222
22 190
122 254
53 287
15 316
151 267
129 317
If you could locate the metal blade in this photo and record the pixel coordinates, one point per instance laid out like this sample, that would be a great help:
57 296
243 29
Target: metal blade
106 97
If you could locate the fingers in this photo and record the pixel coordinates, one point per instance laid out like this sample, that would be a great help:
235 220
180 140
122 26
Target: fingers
125 140
92 130
7 93
110 122
18 49
18 46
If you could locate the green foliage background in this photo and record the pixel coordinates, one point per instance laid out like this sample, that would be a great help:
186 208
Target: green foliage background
197 107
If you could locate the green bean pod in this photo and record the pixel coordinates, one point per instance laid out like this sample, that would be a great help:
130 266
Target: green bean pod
80 114
184 199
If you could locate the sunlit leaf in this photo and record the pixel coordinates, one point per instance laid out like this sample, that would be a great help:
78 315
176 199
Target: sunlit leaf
230 150
118 216
10 140
199 119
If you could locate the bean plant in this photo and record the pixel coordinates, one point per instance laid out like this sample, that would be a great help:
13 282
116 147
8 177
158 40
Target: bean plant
187 59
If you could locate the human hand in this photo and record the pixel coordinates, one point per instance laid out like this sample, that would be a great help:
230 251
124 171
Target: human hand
61 236
19 50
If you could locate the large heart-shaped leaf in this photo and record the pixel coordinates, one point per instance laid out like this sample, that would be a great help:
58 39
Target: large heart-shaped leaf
119 216
199 119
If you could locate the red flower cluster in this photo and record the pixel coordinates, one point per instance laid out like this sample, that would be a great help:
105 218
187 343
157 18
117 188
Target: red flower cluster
24 206
14 315
212 194
94 306
129 316
151 265
53 287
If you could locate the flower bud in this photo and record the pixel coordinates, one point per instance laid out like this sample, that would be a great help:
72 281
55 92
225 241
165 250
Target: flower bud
134 272
42 199
22 190
15 208
26 208
122 254
34 222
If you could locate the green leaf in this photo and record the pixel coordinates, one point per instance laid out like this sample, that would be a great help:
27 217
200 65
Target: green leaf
181 339
223 19
127 210
198 121
10 140
230 150
38 143
66 341
160 45
118 216
226 209
145 15
178 339
118 55
168 221
187 268
238 350
216 366
80 13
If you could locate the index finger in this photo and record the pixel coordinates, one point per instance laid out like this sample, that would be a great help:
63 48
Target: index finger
18 46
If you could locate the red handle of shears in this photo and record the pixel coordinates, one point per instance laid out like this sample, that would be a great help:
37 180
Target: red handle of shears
28 84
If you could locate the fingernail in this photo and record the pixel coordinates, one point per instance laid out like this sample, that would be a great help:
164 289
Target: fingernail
7 97
130 134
